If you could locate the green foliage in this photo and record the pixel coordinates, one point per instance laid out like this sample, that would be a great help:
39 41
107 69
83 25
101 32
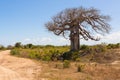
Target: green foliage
2 47
34 55
46 58
18 45
54 53
95 49
46 53
15 52
28 46
84 47
113 46
67 55
49 46
66 64
75 55
78 59
100 48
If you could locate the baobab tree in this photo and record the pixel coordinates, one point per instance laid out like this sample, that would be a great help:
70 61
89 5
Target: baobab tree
78 23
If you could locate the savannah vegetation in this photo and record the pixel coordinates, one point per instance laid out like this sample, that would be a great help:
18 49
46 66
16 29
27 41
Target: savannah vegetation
74 62
75 23
99 53
90 63
2 47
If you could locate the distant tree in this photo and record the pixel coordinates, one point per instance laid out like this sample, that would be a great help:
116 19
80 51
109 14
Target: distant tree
79 23
9 47
18 45
28 46
2 47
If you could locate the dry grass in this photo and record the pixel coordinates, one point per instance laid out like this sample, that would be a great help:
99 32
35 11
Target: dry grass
107 67
91 71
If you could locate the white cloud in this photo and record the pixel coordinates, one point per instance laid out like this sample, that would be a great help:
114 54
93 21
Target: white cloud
36 41
110 38
62 40
46 39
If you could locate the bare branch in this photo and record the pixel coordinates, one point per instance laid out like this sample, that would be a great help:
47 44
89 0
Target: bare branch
80 17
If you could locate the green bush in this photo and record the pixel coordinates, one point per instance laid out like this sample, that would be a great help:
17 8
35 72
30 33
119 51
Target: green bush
75 55
28 46
55 55
34 55
66 64
2 47
67 55
99 48
113 46
78 60
15 52
84 47
95 49
46 58
18 45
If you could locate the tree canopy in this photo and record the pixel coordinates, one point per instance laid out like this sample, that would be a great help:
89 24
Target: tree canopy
81 22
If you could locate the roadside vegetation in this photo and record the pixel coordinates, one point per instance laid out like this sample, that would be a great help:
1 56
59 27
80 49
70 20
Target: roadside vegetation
58 63
91 62
96 53
2 47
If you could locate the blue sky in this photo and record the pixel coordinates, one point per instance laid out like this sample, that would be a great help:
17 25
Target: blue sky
23 20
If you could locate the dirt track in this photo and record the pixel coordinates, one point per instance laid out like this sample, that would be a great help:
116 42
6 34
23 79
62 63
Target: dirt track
14 68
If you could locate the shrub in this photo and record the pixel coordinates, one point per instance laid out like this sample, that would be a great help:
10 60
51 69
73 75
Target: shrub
75 55
78 59
67 55
28 46
102 47
84 47
15 52
46 58
95 49
2 47
66 64
18 45
34 55
55 54
113 46
80 67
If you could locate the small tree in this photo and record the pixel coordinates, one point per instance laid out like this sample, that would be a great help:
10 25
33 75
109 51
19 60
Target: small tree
18 45
79 23
28 46
2 47
9 47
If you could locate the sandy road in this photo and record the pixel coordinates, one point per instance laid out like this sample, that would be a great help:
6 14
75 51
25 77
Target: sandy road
14 68
7 74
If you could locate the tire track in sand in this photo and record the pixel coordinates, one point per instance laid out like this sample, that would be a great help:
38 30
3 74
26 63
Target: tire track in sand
14 68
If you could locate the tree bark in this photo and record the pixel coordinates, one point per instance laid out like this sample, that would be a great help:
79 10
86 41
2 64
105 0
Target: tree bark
74 39
76 42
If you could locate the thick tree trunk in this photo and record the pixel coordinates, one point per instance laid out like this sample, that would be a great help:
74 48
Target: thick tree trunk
72 44
74 39
76 42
